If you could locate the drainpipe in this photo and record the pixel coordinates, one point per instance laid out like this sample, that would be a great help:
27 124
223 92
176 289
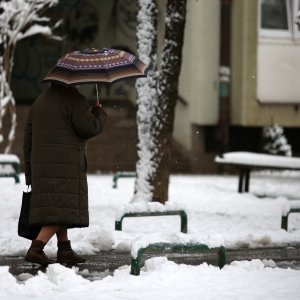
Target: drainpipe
224 77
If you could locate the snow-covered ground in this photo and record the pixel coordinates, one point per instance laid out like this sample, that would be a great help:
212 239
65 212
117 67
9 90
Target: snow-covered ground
216 214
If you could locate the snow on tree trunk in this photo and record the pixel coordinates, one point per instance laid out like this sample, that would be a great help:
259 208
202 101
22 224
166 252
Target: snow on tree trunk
275 142
146 98
167 96
159 94
18 19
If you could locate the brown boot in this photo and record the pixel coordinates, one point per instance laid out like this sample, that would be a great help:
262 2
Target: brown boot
35 254
66 255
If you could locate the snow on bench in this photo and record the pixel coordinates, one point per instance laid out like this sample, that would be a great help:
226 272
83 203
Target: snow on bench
10 166
245 161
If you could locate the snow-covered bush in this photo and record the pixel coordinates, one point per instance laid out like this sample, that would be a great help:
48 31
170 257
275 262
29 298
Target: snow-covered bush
275 142
19 19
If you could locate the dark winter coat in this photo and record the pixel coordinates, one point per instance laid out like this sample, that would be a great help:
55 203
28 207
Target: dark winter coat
58 126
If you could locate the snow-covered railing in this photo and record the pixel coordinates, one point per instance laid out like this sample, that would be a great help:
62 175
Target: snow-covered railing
19 19
181 213
122 174
293 207
246 161
181 248
150 209
10 166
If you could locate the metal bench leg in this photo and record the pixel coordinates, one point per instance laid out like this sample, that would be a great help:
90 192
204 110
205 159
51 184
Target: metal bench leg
17 178
247 180
118 225
136 263
244 180
183 226
16 167
241 181
222 257
115 181
284 222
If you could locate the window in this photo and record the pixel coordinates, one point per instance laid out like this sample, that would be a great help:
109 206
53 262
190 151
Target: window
274 15
277 18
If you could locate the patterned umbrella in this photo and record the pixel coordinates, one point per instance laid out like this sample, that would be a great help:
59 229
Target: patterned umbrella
96 66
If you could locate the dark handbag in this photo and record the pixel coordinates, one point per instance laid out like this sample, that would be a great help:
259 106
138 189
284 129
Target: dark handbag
24 229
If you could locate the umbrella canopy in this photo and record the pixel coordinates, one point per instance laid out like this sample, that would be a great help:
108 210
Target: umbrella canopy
96 66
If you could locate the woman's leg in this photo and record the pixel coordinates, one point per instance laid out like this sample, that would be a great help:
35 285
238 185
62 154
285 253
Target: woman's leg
35 253
62 234
47 232
65 253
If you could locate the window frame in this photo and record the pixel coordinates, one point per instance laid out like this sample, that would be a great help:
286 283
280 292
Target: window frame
277 33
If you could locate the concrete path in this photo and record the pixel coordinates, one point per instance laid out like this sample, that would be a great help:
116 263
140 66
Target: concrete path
104 263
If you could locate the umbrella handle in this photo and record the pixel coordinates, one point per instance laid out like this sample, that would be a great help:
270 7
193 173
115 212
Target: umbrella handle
97 102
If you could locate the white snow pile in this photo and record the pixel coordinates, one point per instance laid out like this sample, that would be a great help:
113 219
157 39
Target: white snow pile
159 278
213 206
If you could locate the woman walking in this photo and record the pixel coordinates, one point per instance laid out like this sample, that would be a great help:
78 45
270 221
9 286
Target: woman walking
58 126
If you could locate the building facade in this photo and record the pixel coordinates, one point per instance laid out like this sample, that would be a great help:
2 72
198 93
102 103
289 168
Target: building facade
264 46
261 72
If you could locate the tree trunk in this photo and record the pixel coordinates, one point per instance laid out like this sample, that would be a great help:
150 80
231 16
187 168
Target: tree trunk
167 88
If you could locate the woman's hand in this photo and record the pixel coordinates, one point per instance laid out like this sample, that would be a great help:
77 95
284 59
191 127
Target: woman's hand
98 104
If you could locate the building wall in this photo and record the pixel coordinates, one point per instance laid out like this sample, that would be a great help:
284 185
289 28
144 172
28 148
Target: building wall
278 71
246 110
243 60
199 73
112 23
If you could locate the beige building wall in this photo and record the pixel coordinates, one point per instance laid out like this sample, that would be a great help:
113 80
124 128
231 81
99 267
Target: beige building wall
246 110
199 73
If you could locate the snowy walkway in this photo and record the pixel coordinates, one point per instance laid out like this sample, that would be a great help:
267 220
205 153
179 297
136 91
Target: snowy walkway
215 212
106 262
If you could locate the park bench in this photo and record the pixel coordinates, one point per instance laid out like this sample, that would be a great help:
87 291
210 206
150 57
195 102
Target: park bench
160 248
247 161
164 248
10 166
294 207
122 174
